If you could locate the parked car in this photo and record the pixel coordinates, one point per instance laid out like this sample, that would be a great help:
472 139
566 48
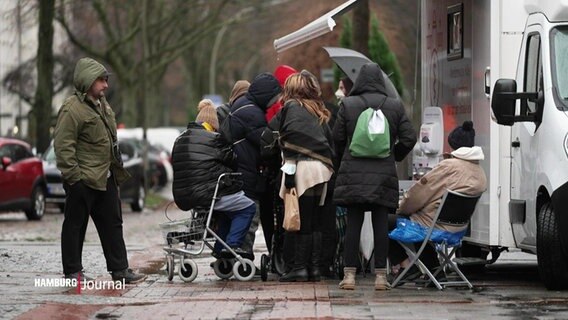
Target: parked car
22 183
132 191
160 170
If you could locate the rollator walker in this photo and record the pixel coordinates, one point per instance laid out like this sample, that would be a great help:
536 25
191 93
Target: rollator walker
188 237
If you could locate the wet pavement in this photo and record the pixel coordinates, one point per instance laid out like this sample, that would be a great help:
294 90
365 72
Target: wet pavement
29 251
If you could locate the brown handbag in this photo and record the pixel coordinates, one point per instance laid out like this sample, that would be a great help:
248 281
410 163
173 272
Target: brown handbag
291 210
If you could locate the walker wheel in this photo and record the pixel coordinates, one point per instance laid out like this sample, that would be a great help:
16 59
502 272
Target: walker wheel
223 268
188 270
264 260
244 271
170 264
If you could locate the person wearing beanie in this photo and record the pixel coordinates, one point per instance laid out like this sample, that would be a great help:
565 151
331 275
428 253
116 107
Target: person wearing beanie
199 156
462 136
87 154
207 115
461 172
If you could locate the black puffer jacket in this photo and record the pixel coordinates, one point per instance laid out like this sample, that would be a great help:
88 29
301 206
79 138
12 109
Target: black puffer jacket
199 157
363 180
247 124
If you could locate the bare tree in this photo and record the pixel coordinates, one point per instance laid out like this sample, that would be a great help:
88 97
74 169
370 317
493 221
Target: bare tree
44 91
361 27
112 33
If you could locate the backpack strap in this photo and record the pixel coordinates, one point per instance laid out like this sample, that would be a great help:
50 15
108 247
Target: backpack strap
231 114
366 103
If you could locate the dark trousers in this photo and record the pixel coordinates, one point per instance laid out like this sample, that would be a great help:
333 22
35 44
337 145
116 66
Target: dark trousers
232 226
355 217
397 253
104 208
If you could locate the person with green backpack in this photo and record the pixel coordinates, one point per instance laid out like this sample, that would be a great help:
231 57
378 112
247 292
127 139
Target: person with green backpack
371 133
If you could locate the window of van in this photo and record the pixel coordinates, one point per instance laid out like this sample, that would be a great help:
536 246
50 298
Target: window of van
559 59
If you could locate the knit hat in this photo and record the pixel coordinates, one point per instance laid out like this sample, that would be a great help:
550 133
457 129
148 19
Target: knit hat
207 113
463 136
282 72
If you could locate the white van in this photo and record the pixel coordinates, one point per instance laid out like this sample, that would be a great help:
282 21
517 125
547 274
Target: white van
519 49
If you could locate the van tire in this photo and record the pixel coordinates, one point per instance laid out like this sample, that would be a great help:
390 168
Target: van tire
552 264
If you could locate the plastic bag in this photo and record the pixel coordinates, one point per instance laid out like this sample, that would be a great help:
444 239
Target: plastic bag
410 231
366 242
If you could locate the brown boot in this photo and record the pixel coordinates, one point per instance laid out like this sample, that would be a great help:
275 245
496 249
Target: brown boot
348 282
381 282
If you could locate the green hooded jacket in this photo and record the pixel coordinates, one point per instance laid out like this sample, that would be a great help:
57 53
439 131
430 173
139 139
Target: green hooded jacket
85 134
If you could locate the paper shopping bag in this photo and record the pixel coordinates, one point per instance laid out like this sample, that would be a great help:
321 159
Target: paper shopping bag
291 211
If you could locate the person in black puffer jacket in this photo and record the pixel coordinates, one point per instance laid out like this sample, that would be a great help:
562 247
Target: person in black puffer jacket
369 184
199 157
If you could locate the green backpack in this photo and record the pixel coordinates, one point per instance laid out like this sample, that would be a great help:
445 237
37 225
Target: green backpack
371 137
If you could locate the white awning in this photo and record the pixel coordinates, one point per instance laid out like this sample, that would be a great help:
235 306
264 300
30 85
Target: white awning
314 29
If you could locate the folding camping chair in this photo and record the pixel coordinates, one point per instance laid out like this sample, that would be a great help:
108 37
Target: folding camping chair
455 209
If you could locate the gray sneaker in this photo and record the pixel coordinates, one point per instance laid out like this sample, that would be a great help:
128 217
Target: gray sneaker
128 276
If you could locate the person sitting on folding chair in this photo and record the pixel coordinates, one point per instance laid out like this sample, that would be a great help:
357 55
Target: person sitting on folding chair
461 173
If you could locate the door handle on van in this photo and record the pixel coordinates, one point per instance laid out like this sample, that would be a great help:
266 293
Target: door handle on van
516 144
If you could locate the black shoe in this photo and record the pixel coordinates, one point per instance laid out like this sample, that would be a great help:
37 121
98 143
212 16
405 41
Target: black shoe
295 275
128 276
79 276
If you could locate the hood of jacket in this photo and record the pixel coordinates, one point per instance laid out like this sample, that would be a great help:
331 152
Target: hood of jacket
264 90
471 154
370 79
87 70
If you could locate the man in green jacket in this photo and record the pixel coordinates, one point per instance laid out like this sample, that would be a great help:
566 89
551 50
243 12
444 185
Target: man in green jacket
87 155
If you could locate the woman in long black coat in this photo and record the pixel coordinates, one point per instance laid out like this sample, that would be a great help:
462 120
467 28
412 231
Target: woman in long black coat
369 184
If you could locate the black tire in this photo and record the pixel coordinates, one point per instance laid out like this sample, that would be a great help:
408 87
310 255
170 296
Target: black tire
138 204
264 267
552 263
170 265
37 209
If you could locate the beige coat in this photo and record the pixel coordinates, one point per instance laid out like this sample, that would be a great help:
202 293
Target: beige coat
423 198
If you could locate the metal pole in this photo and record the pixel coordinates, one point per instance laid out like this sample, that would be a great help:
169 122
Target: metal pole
20 87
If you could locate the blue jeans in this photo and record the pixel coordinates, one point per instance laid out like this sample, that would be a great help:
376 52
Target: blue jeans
232 226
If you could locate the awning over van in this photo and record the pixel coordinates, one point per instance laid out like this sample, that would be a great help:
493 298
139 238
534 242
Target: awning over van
314 29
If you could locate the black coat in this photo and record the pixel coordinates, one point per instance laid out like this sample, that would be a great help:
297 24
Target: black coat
199 157
364 180
247 126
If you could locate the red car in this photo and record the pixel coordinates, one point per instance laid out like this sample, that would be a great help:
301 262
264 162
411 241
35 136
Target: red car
22 184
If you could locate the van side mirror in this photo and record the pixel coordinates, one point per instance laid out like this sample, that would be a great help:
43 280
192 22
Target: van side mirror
503 103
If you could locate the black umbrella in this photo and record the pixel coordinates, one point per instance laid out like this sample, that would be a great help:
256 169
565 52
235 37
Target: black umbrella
351 61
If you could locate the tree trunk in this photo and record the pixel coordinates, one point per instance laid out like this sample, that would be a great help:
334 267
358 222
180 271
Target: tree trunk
361 27
43 97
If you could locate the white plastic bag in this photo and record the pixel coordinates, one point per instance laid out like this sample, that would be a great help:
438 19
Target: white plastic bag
366 243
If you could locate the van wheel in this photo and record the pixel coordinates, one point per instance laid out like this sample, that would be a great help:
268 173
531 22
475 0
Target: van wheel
138 204
552 264
37 209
